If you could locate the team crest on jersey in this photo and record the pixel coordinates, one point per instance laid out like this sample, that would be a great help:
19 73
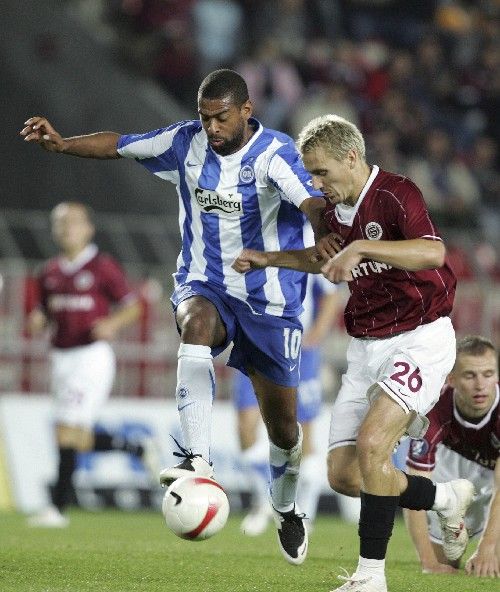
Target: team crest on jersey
214 203
247 174
84 280
419 448
373 231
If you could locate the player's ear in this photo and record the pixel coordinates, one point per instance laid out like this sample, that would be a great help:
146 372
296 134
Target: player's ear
246 109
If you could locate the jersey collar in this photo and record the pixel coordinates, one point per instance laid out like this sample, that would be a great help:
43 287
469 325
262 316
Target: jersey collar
344 213
483 422
68 267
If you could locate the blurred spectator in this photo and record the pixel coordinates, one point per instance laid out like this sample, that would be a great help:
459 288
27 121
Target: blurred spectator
383 149
217 33
327 98
483 166
383 19
273 83
448 187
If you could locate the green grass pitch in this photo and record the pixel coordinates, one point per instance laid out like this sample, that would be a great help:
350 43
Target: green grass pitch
113 551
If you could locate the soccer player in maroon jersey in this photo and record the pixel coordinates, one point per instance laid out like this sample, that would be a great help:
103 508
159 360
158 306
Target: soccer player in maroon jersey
383 243
463 440
77 290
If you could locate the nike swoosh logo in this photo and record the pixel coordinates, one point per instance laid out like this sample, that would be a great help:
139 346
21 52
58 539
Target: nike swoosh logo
184 406
292 368
192 164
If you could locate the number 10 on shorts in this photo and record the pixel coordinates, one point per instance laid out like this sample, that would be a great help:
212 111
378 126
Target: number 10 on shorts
292 341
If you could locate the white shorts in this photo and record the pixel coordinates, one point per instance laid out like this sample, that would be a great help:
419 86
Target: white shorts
451 465
81 381
410 367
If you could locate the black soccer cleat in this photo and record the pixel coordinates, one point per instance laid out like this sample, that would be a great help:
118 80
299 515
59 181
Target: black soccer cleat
292 535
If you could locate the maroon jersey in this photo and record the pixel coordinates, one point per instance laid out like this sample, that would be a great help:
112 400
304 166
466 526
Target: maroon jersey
385 300
477 442
75 294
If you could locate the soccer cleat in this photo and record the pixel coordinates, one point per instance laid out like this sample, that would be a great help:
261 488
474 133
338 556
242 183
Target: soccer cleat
455 535
361 583
292 535
193 464
256 521
49 517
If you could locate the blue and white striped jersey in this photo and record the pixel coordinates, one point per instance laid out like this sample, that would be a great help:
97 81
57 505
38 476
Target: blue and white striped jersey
248 199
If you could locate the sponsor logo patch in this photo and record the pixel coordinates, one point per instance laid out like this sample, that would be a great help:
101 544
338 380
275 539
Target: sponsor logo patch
215 203
419 448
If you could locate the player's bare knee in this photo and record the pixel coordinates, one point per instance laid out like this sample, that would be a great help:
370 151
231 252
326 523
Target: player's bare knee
371 446
343 484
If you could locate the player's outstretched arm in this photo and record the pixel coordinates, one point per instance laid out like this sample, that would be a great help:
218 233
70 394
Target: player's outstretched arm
300 260
416 523
485 561
99 145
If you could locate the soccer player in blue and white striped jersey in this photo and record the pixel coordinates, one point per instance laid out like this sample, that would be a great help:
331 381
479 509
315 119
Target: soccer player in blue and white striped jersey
239 185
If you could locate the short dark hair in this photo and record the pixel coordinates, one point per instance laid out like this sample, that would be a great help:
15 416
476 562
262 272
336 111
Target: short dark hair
222 83
474 345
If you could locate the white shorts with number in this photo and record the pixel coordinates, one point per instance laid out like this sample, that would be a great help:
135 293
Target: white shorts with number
410 367
451 465
81 380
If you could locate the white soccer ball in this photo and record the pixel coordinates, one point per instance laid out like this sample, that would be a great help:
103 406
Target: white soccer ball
195 508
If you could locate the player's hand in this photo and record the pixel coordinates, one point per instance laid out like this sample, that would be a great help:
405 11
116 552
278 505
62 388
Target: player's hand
249 259
328 246
483 563
36 323
40 131
103 329
439 568
338 268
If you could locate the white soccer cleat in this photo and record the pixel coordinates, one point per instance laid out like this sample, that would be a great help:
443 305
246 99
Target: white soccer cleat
49 517
257 520
455 535
292 535
361 583
192 465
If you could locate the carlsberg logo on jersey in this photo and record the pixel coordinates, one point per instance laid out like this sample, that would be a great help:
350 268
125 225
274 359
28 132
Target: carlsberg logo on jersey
215 203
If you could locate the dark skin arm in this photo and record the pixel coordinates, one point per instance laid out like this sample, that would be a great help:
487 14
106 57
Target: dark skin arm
99 145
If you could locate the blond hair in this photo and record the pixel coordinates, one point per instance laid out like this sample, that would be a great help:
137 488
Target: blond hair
334 134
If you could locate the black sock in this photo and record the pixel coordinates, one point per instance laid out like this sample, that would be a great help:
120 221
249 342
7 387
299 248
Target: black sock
419 495
63 491
104 442
375 524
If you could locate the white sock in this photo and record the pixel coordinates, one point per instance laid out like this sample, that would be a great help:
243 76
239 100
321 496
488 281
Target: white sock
445 499
285 465
371 567
311 481
194 394
255 466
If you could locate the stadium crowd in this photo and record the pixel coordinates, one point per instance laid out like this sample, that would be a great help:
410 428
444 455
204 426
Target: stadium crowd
421 79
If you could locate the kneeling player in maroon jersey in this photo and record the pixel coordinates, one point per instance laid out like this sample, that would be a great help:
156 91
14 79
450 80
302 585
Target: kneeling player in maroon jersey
384 244
463 440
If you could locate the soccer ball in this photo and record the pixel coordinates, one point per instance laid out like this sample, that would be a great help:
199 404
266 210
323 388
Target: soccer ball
195 508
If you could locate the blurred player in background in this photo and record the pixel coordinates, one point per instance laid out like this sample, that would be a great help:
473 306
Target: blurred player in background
77 290
321 306
239 185
384 244
463 440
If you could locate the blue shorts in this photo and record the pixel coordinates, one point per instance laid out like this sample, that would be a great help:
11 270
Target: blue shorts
309 394
267 343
